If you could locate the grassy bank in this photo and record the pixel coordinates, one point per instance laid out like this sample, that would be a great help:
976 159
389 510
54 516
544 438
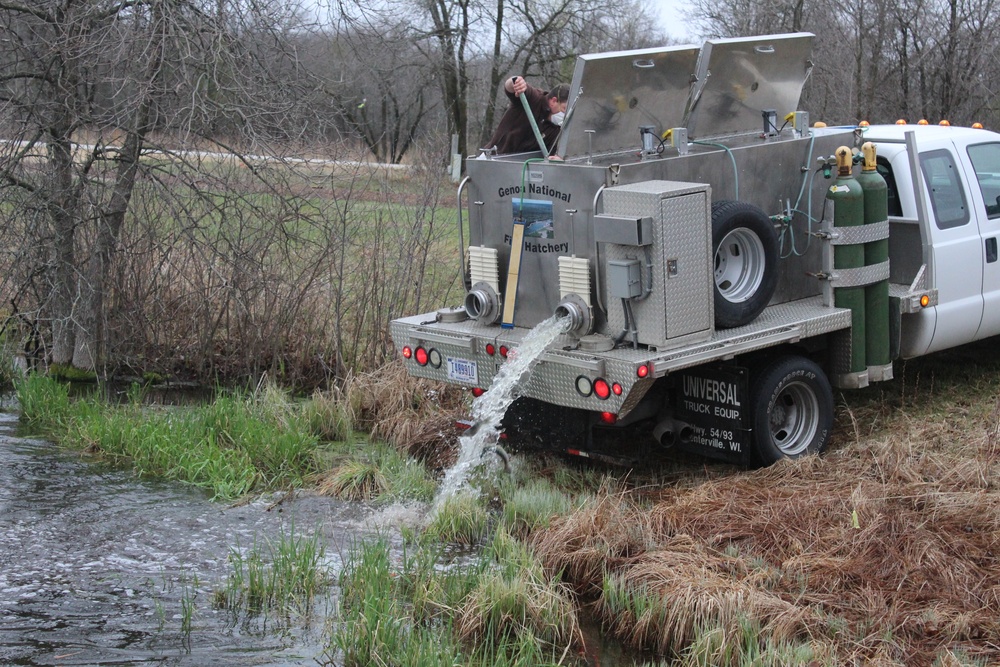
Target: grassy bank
885 551
250 442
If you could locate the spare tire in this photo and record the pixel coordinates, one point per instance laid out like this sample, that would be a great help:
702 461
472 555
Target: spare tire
746 262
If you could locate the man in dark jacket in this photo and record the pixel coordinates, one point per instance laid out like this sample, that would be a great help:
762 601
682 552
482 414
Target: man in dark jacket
514 133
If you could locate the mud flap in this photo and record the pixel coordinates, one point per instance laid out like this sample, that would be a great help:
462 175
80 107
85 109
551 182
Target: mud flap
714 402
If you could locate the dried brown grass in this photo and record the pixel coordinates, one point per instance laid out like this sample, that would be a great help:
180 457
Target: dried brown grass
885 551
416 416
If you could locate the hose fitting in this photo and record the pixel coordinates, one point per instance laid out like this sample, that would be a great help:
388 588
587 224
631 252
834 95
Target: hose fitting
482 303
576 312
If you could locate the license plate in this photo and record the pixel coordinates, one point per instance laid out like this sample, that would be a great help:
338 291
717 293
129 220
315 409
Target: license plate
462 370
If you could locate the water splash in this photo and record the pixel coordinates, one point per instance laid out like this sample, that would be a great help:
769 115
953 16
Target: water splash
488 410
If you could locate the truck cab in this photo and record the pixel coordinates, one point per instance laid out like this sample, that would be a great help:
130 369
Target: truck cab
949 219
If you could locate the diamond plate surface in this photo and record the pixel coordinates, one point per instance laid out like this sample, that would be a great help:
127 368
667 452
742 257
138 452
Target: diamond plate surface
554 378
679 309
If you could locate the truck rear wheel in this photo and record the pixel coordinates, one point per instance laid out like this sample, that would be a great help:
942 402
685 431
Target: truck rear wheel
746 262
792 407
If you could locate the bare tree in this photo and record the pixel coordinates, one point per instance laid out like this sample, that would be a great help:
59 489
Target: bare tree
84 86
379 85
470 46
882 59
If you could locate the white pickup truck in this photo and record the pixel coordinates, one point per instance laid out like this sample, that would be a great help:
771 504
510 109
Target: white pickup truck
719 264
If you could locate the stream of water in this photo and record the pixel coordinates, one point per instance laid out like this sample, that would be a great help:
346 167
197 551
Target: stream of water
100 568
488 410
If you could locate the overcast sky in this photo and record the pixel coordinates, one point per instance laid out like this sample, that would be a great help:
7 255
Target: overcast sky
673 21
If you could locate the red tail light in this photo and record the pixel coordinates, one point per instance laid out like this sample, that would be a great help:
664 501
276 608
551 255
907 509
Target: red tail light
617 388
642 371
609 417
407 352
478 391
504 351
421 356
491 349
601 388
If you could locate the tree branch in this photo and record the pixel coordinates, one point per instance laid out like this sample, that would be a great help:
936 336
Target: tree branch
25 9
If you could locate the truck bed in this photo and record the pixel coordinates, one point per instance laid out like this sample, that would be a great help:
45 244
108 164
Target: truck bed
554 378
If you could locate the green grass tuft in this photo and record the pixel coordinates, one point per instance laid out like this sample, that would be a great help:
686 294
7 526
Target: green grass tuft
460 519
329 415
277 576
356 479
44 402
533 506
378 472
232 446
421 612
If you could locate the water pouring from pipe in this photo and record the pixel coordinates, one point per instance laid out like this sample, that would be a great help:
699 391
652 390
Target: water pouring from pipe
488 410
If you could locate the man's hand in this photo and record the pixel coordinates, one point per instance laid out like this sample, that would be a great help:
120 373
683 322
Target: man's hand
518 85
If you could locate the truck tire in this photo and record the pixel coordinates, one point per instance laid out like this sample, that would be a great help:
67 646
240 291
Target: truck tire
746 262
792 408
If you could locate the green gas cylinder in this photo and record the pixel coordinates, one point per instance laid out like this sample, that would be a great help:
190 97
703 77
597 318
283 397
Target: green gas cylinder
849 211
876 252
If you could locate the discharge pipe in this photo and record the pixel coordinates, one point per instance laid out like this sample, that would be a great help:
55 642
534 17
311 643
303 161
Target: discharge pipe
482 303
576 313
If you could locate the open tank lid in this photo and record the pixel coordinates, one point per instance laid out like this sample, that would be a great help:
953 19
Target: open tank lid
615 93
739 78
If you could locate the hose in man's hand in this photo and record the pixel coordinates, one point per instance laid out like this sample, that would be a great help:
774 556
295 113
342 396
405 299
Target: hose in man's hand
534 125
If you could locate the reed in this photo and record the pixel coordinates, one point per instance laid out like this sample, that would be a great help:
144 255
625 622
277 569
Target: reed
373 627
748 647
274 576
377 472
420 611
533 506
329 415
460 519
44 403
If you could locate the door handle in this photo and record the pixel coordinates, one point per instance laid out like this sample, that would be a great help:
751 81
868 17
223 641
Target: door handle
991 250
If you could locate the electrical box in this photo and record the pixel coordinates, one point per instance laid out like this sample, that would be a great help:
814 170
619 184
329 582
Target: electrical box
770 118
623 230
624 278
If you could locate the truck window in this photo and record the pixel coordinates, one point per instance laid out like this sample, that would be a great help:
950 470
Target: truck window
945 186
985 160
882 165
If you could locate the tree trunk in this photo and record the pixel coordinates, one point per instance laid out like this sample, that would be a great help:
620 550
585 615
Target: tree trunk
90 339
60 208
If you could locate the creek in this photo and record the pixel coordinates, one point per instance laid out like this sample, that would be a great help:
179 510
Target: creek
99 567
